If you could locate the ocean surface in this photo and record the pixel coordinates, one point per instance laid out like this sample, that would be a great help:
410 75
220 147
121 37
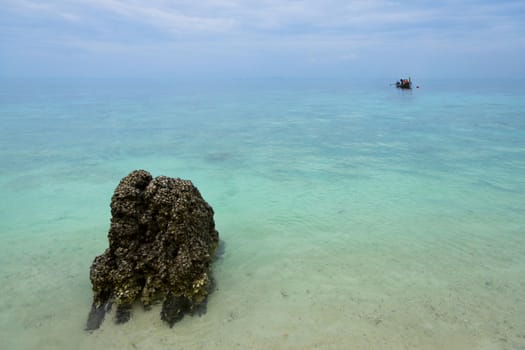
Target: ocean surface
353 215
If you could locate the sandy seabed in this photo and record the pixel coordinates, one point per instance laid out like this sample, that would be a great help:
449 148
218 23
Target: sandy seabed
352 219
383 288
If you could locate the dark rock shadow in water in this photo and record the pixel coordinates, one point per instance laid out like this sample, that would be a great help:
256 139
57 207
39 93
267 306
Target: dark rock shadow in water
221 249
96 316
174 308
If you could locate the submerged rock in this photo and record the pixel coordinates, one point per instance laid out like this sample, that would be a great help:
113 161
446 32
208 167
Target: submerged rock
161 242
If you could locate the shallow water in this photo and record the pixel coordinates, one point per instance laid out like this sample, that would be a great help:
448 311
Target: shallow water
352 217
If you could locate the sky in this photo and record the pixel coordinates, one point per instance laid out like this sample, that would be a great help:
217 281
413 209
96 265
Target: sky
262 38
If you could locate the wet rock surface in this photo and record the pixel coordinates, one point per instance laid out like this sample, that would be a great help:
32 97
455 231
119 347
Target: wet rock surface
162 240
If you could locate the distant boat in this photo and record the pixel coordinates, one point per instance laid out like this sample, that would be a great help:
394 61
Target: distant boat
404 84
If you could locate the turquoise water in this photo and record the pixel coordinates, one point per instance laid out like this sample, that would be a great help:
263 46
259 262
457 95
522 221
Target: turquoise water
354 215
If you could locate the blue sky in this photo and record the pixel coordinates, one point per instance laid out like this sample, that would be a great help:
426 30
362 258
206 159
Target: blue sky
311 38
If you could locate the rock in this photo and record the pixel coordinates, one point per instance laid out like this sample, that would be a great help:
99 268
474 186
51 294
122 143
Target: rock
174 308
162 240
96 315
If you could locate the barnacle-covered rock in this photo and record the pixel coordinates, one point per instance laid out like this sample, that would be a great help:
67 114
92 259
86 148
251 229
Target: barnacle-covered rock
161 242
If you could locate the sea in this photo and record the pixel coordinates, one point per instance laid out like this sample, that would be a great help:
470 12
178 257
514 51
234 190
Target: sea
352 215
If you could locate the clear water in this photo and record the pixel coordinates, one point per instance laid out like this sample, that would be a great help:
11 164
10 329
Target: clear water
354 215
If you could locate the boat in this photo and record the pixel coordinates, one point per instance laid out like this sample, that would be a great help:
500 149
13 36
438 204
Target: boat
404 84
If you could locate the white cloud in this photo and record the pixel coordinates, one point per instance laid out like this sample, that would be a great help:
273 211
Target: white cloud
158 14
265 30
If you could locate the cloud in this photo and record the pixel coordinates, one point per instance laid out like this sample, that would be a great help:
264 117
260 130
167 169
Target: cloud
156 14
271 32
286 17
